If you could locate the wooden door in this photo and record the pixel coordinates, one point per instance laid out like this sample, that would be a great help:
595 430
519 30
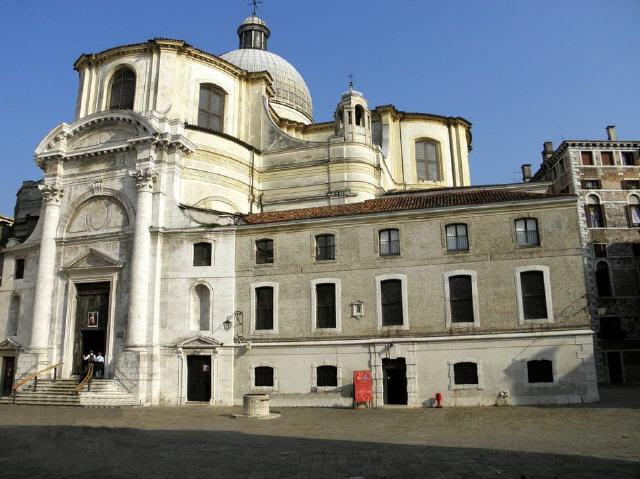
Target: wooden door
8 374
199 378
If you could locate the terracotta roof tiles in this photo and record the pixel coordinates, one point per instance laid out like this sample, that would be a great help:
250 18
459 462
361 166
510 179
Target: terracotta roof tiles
439 199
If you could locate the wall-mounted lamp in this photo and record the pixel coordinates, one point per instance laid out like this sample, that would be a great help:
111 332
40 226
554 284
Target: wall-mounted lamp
237 318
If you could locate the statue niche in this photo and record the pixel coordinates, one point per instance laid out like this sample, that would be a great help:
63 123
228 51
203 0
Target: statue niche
98 214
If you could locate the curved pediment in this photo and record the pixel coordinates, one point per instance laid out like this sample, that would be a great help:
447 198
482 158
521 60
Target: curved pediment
98 214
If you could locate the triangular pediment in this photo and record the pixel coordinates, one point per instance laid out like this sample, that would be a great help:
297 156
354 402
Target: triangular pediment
199 342
10 344
92 259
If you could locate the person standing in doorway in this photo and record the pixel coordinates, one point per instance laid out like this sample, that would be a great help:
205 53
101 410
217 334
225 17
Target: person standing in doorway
88 359
99 365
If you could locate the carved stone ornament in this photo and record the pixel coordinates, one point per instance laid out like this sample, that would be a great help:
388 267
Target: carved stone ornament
51 193
97 187
144 178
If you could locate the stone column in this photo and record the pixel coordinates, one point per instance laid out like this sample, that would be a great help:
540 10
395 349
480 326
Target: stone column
140 258
51 197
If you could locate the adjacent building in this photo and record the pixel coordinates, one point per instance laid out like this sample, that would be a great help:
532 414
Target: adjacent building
204 233
605 174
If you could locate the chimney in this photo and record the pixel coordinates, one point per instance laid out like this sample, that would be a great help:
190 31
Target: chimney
611 133
526 173
547 151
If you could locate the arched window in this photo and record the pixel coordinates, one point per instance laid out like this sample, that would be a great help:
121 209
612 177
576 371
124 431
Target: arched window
211 107
427 160
594 212
633 211
359 115
201 308
603 281
123 90
14 316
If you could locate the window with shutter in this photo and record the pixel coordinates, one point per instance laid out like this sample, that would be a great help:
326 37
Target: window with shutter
461 299
211 107
457 239
391 291
607 158
427 156
586 158
527 232
534 301
389 242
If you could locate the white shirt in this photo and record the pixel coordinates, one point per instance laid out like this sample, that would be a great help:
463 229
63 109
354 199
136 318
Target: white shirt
99 358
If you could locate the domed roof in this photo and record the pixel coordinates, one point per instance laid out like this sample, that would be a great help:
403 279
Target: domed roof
290 88
253 20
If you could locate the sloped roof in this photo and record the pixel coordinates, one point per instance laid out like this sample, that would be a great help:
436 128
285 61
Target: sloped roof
411 201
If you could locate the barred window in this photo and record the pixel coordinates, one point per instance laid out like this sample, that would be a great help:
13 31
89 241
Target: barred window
457 239
325 247
534 301
263 376
527 232
202 254
326 305
540 371
264 251
389 242
211 107
461 299
123 89
327 376
391 291
427 161
264 308
465 373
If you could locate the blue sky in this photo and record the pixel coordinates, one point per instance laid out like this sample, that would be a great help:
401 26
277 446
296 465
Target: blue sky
522 71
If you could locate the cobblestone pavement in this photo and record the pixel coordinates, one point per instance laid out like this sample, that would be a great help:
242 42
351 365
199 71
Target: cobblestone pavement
587 441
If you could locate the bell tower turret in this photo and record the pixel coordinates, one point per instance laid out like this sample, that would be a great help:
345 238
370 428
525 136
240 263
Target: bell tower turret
353 117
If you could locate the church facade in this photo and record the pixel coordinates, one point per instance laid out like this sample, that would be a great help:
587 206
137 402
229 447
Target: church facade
199 229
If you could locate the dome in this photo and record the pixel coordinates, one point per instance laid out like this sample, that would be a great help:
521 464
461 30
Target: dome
290 88
253 20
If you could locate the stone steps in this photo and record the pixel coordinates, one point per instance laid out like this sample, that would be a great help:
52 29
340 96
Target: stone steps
104 393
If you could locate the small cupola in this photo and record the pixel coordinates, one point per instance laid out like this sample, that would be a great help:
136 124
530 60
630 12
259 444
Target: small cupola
253 33
353 117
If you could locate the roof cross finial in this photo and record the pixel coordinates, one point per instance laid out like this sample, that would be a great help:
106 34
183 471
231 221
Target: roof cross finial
350 81
255 4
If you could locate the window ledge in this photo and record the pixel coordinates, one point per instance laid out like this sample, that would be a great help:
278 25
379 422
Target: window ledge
528 246
524 322
398 327
389 256
324 261
542 385
476 387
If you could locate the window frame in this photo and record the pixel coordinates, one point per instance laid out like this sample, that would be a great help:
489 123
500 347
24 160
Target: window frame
274 329
607 152
252 376
316 247
597 181
338 302
554 372
193 253
314 377
405 304
547 292
379 242
587 152
115 72
256 251
192 319
446 237
633 203
587 209
22 269
449 323
452 381
526 219
438 161
634 158
218 89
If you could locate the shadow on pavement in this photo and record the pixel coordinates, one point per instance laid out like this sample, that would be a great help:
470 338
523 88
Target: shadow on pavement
92 453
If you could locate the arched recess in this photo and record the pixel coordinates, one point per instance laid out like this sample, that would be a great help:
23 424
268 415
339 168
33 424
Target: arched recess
109 196
14 316
201 307
218 203
428 159
360 115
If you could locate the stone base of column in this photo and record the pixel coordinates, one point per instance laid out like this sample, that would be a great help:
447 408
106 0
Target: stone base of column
133 372
32 360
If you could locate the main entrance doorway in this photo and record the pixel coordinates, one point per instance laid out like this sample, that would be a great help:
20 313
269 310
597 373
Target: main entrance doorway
199 378
92 318
8 374
395 381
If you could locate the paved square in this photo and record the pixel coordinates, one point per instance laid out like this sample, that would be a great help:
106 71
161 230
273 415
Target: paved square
590 441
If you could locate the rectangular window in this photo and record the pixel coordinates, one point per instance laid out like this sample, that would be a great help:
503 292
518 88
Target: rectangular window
600 250
264 251
591 184
327 376
634 215
325 247
595 216
391 292
326 305
461 299
19 268
540 371
389 242
628 158
586 158
263 376
264 308
465 373
457 239
534 301
562 165
527 232
607 158
610 329
427 161
202 254
630 184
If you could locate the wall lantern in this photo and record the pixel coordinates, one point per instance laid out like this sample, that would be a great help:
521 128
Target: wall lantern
237 319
